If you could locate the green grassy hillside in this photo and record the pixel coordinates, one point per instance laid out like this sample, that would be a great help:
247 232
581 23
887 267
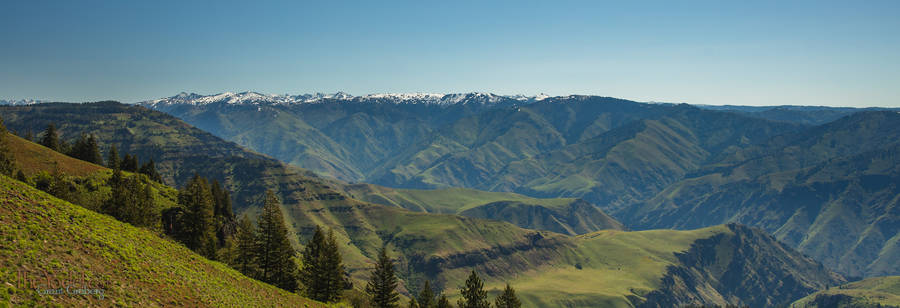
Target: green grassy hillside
46 239
562 215
32 158
884 291
548 269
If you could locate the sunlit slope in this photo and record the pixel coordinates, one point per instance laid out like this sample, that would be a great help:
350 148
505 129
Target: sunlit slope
549 269
883 291
44 237
32 158
562 215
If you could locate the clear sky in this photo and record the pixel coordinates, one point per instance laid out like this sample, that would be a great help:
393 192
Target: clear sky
844 53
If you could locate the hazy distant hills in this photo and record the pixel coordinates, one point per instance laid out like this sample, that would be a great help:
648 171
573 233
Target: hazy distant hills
818 178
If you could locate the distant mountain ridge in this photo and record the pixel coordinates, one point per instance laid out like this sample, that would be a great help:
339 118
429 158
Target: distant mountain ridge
256 98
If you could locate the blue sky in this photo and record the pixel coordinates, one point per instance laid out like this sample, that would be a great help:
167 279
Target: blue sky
716 52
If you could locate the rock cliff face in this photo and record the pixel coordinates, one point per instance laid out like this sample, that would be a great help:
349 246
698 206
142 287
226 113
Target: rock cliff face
747 267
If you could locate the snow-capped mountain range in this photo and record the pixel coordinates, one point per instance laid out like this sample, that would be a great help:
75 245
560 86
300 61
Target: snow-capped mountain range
398 98
20 102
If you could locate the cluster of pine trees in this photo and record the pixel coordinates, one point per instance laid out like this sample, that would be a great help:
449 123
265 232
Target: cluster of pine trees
131 200
264 252
131 163
382 291
202 219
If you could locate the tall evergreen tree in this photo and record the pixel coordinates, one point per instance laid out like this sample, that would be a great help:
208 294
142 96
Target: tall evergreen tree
382 285
146 211
197 225
443 302
507 299
130 163
113 161
93 151
59 187
333 269
223 201
426 296
322 273
246 246
310 272
473 294
7 161
78 147
51 138
149 168
274 252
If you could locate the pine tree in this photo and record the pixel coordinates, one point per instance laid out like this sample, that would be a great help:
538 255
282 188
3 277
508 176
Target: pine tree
51 138
274 252
146 211
223 201
413 303
246 246
93 151
59 187
332 268
149 168
7 161
113 161
382 285
117 199
507 299
322 272
130 163
444 302
426 296
197 223
310 272
473 294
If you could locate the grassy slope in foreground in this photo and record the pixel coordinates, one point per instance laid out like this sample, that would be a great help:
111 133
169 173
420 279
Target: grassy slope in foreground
46 238
880 290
